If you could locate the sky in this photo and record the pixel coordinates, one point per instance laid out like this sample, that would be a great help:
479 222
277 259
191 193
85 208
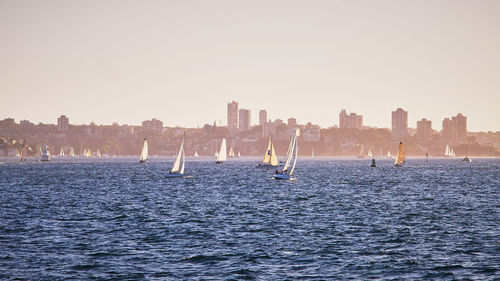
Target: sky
183 61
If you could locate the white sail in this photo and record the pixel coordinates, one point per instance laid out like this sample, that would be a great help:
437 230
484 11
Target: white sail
183 160
452 153
98 153
293 145
231 152
196 153
216 154
270 157
447 151
312 152
178 159
289 150
71 152
370 154
239 155
45 153
389 154
144 152
61 153
222 153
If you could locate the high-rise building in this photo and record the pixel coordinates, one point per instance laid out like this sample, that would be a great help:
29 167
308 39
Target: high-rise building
424 129
455 129
262 117
351 121
232 116
245 119
63 123
399 124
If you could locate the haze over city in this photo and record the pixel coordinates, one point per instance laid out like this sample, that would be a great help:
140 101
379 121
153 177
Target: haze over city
182 61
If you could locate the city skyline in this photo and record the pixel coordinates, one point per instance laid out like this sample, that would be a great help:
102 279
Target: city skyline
131 61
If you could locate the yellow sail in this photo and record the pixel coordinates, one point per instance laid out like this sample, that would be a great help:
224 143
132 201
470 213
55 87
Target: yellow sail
400 158
274 159
267 156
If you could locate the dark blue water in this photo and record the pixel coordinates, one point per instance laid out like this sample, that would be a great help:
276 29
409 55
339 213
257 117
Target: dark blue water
340 219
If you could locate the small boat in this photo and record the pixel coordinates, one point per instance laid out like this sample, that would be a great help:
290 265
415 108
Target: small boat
98 153
144 153
178 170
373 164
452 153
400 157
222 156
61 153
270 158
239 154
71 152
291 160
389 155
45 154
466 158
370 154
196 154
449 152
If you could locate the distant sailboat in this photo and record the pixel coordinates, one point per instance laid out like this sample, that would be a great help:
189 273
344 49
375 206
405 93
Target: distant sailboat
89 153
370 154
449 152
291 160
452 153
231 152
239 154
23 154
196 153
270 158
312 152
45 153
98 153
400 157
389 155
178 170
361 151
61 153
373 163
222 153
144 152
71 152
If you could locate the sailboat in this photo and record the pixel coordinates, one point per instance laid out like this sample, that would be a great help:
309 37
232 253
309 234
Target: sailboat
373 163
400 157
98 153
45 153
221 157
370 154
23 154
448 152
389 155
196 154
452 153
61 153
144 152
178 170
288 151
239 154
72 152
231 152
291 160
466 159
270 159
361 150
312 152
89 153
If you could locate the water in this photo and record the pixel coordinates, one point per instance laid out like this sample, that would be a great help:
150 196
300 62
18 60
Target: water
340 219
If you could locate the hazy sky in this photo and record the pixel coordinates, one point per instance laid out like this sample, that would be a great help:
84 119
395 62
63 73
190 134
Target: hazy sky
182 61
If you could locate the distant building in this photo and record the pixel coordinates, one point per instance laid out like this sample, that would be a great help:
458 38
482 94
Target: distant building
26 125
232 117
399 124
292 123
63 123
262 117
424 129
245 119
310 133
153 125
455 129
351 121
271 127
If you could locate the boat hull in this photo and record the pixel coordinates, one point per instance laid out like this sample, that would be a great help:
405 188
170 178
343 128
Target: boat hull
174 175
281 176
260 165
142 161
45 158
219 162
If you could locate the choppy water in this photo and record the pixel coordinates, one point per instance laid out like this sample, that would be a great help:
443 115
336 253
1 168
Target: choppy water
340 219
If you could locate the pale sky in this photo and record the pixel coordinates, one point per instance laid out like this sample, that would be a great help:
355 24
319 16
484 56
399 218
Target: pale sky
182 61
